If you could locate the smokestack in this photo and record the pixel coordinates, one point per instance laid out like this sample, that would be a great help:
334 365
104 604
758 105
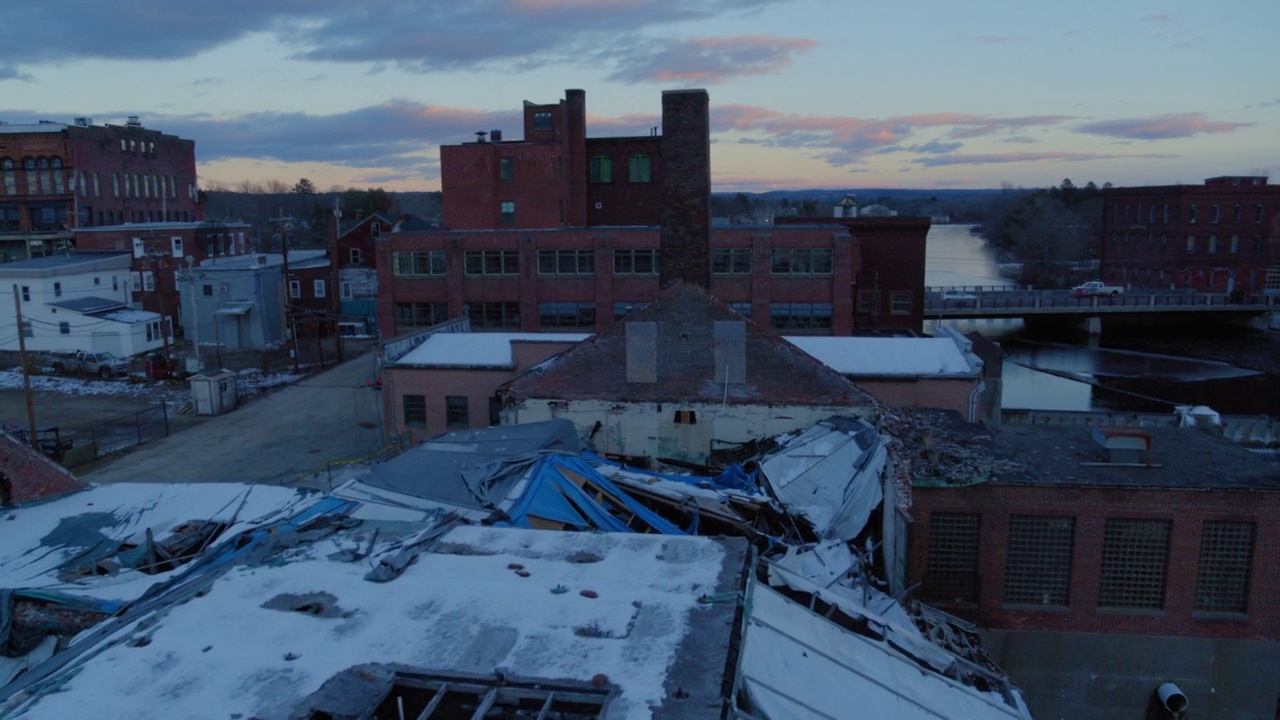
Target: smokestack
685 254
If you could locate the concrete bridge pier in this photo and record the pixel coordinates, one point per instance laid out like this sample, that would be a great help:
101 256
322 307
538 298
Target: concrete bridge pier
1092 325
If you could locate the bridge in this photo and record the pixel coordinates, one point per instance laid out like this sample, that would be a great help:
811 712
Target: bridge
1003 302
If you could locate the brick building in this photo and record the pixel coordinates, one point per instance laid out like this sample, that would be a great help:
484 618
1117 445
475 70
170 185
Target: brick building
561 232
26 475
1170 564
1222 236
56 177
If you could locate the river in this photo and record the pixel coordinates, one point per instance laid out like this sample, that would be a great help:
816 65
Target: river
1231 370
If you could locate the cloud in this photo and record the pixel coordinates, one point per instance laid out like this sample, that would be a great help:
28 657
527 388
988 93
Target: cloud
1160 127
1268 103
1018 157
423 36
842 140
711 60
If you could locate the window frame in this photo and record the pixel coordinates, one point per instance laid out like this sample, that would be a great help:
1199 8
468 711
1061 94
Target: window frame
457 411
731 261
640 168
1128 544
630 261
567 261
491 263
419 263
417 415
601 170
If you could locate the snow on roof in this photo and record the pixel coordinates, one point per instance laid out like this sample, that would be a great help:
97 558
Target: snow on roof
46 545
484 601
254 260
477 349
888 356
129 315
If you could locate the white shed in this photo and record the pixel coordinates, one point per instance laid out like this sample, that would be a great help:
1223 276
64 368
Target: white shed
214 393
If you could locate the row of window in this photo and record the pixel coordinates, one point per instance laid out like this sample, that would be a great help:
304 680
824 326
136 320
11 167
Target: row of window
457 413
732 261
639 169
1132 571
146 147
1193 211
1161 246
506 315
45 177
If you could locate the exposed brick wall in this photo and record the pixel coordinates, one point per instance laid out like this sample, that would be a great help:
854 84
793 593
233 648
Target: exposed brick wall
1091 506
686 188
30 475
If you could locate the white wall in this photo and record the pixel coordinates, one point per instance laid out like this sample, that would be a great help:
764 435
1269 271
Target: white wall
97 279
649 429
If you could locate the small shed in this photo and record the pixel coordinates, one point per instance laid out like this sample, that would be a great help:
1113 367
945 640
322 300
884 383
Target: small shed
214 392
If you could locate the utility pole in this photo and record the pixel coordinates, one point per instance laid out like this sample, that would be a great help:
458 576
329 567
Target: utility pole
26 370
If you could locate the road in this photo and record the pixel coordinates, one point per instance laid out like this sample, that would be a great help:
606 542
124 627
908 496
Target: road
283 438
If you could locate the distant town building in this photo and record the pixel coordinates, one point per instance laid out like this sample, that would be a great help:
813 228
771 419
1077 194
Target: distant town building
1222 236
559 232
56 177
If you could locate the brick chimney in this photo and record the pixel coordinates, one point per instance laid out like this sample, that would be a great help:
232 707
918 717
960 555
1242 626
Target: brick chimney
685 253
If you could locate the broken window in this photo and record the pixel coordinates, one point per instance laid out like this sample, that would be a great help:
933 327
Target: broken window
444 698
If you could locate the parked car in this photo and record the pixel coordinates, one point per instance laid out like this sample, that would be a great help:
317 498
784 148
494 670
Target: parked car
1096 287
956 298
80 362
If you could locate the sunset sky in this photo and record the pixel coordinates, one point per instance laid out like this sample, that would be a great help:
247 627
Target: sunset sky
804 93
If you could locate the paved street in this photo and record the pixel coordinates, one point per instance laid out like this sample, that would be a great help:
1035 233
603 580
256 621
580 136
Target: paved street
293 432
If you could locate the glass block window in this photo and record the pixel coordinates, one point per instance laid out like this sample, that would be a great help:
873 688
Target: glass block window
566 262
567 315
800 261
731 261
408 263
635 262
1226 553
951 574
1038 569
491 262
1135 554
415 410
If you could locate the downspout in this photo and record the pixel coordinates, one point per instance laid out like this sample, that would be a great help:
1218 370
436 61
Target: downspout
973 400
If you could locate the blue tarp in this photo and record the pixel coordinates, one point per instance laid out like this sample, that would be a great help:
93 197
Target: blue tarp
733 477
552 495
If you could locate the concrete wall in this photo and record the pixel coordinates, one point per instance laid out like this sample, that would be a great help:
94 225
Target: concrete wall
1093 676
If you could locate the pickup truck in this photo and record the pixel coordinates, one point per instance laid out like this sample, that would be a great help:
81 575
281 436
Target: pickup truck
1095 287
79 362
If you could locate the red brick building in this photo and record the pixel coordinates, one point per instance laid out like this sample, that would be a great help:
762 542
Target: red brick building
563 232
1172 562
160 250
1222 236
56 177
26 475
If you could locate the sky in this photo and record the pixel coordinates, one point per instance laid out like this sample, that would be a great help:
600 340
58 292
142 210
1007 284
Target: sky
839 94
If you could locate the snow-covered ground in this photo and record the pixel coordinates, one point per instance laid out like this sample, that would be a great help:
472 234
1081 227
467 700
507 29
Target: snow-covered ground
250 382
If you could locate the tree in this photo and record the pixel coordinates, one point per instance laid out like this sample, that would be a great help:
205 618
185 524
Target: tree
304 187
275 187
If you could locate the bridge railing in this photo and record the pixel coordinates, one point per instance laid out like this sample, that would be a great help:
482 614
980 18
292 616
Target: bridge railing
971 298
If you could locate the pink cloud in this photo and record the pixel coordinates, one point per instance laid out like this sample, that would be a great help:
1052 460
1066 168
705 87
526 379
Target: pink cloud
1160 127
1011 157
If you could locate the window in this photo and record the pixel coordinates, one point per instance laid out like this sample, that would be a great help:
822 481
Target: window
1214 215
800 261
375 229
1235 245
800 316
1134 553
208 290
1213 244
357 257
686 417
1152 214
731 261
742 308
415 410
1237 214
26 293
1257 214
1165 216
64 328
506 169
494 315
635 262
567 315
900 303
639 169
57 289
1191 244
491 262
508 212
176 242
868 302
345 291
566 262
148 281
1038 568
601 169
407 263
1226 552
295 288
317 287
1257 244
1191 214
456 413
542 120
421 314
951 574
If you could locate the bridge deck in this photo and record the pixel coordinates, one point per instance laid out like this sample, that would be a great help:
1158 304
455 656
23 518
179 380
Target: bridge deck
960 303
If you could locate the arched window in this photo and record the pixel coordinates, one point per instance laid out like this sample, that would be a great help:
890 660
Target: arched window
42 163
6 164
29 163
56 163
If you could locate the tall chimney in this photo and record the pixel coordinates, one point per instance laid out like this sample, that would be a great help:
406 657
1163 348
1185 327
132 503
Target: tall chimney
685 253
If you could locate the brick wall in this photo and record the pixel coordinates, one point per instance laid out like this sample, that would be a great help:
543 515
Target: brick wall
26 475
686 188
1091 507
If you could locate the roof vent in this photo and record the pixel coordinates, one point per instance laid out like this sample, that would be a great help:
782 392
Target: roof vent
84 121
495 135
133 121
480 136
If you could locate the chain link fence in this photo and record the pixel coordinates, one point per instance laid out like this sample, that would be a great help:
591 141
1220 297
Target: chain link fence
81 445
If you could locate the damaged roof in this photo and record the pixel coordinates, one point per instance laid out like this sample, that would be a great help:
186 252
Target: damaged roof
684 317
